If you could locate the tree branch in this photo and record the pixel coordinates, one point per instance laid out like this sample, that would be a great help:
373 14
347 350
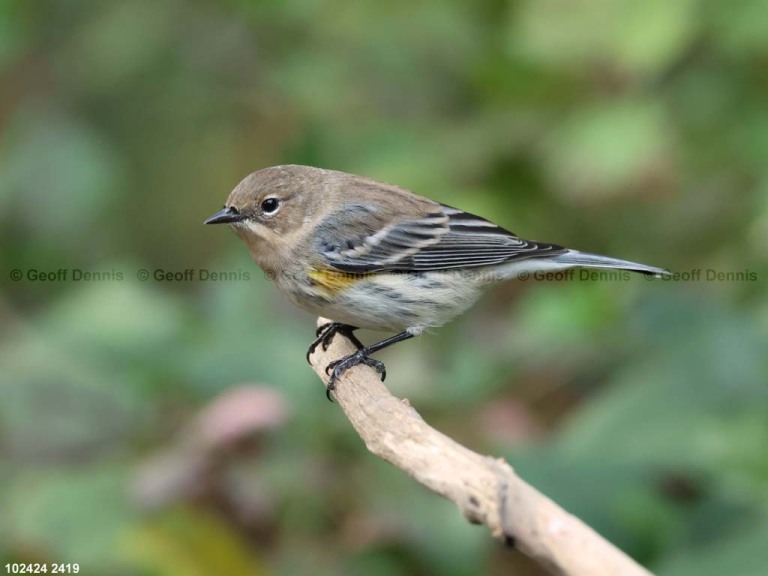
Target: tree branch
486 490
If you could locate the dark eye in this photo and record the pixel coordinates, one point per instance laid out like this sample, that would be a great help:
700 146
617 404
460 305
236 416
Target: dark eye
270 205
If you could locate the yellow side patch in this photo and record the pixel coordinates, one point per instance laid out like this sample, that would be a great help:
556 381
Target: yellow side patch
333 280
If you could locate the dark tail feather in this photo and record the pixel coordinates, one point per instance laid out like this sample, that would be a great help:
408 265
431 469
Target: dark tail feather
587 260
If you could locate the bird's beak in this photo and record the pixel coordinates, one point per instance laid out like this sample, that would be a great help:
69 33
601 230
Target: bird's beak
226 216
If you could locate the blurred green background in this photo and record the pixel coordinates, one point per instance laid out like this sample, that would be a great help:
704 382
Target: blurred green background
173 428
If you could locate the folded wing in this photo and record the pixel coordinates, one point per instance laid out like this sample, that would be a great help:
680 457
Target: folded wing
446 238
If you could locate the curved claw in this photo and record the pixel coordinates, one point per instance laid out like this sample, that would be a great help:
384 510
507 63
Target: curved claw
333 377
325 333
377 365
336 368
312 347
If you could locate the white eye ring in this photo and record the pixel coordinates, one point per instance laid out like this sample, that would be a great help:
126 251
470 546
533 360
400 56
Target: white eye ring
270 205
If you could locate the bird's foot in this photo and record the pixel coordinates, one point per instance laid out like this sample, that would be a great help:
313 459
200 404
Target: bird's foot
336 368
325 333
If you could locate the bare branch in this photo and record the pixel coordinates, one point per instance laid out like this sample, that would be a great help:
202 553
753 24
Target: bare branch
486 490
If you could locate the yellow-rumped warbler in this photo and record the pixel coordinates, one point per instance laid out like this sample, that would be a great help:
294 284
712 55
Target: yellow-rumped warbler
372 255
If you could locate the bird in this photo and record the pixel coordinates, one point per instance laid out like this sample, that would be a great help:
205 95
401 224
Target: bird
366 254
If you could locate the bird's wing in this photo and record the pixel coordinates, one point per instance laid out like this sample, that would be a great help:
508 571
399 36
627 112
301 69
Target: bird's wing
445 238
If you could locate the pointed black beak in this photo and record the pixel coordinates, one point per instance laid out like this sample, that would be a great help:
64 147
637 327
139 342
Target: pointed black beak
226 216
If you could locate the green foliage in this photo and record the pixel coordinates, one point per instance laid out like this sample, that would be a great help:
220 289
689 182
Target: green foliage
636 129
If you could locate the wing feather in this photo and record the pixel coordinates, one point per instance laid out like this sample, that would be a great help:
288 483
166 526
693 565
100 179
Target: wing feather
444 239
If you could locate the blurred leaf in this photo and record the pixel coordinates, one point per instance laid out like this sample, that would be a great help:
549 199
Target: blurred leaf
741 554
189 543
59 165
673 407
603 150
122 321
105 53
739 26
443 539
13 35
62 407
70 515
638 37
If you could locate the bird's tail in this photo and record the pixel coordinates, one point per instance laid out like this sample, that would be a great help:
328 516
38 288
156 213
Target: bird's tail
587 260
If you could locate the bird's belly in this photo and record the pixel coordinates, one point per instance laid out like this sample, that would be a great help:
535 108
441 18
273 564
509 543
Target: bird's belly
395 301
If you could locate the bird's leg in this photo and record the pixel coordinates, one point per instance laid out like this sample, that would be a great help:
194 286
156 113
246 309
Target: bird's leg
362 356
326 332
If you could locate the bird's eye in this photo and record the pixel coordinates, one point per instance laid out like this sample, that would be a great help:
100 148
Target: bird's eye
270 205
